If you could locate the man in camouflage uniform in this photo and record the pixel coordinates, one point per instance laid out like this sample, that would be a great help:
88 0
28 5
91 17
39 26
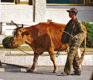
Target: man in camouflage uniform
74 28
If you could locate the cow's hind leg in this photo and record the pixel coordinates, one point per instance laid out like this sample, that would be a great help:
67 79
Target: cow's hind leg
34 63
52 56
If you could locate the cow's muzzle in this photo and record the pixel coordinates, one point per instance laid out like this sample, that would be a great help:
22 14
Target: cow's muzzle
12 43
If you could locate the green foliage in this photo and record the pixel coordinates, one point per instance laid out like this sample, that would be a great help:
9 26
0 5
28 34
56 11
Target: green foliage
89 38
6 42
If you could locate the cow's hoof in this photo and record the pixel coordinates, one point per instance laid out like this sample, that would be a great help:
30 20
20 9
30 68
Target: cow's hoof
55 71
29 71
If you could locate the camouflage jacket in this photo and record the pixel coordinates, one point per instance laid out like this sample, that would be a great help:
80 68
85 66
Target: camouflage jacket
74 29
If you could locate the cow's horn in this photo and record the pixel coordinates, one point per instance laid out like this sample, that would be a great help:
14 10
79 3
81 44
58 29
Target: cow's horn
14 23
22 25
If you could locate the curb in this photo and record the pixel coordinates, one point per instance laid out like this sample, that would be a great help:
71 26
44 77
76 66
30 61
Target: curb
13 70
42 61
32 52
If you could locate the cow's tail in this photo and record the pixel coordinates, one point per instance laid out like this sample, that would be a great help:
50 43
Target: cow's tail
82 55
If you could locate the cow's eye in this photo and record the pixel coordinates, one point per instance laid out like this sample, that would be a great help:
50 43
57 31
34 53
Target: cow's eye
17 34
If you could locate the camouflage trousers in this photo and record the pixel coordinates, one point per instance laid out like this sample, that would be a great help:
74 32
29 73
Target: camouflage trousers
72 59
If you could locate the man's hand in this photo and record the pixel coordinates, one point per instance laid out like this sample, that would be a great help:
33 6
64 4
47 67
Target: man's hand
74 37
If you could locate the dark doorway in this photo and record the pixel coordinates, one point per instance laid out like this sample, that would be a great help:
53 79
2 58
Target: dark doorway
7 0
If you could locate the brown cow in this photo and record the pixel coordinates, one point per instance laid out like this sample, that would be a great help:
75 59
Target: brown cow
42 37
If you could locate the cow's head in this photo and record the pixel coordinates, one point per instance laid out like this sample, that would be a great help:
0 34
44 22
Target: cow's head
19 37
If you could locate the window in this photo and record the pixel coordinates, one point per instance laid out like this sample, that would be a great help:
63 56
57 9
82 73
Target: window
7 0
15 1
90 1
23 1
69 2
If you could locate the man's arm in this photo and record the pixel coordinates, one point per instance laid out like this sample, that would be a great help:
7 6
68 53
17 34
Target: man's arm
81 32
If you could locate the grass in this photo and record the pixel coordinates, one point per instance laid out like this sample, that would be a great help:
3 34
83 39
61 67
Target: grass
41 55
28 48
87 49
24 48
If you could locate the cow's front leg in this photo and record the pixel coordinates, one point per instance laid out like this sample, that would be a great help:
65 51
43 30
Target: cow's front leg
52 56
34 63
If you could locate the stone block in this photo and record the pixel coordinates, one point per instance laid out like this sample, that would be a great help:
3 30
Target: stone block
39 10
1 38
2 56
0 28
29 60
0 63
88 60
44 60
15 60
8 29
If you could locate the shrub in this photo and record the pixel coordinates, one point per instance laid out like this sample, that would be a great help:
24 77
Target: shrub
89 38
6 42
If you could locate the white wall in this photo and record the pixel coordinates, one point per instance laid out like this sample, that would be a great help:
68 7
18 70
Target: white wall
17 13
60 15
23 14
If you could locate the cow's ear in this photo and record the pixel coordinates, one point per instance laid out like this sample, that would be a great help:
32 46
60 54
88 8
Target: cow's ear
22 25
27 33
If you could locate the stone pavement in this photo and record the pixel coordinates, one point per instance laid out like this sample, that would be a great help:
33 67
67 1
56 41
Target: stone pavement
45 73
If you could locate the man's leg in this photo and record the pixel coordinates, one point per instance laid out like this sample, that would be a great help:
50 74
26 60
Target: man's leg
70 58
76 64
69 62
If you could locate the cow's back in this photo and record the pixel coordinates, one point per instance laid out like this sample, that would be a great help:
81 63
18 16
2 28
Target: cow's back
56 34
52 30
49 29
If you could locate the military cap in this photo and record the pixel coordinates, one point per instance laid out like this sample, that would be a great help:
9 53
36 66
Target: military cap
73 10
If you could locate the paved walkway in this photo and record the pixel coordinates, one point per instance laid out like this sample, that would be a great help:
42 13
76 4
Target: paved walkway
45 73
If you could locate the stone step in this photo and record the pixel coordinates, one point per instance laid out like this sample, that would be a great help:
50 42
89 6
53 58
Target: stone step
43 60
1 38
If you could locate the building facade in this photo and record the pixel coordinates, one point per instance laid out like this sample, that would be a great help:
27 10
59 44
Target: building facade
53 2
23 12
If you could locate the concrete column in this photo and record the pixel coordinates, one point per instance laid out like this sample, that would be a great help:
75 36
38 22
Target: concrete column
30 2
0 11
2 57
0 28
39 8
0 63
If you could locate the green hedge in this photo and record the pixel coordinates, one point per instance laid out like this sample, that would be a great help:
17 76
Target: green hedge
89 38
6 42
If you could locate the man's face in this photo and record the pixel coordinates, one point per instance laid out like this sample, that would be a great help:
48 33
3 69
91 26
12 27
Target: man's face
70 14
